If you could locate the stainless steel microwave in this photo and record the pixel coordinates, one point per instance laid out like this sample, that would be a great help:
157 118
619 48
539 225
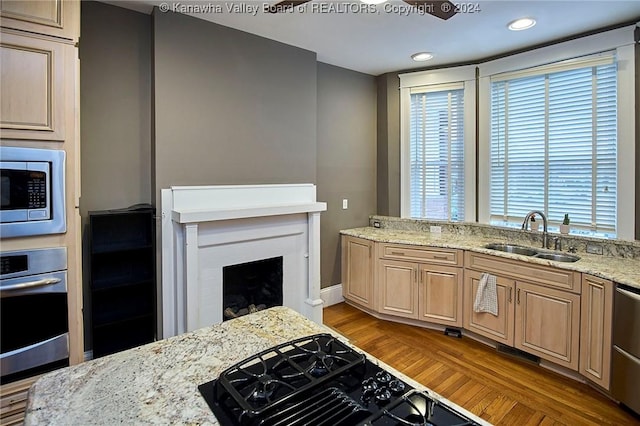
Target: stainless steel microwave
32 192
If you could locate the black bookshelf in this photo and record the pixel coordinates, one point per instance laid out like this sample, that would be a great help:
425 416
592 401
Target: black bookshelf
123 282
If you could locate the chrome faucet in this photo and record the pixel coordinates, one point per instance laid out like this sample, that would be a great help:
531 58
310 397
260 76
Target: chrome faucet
545 234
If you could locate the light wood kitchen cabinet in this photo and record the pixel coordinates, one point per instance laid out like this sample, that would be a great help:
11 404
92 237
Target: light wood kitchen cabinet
421 283
14 401
37 93
500 327
398 287
357 271
546 311
39 108
548 323
57 18
595 329
440 294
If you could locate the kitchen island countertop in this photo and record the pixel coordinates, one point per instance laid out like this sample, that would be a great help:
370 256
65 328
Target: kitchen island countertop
158 383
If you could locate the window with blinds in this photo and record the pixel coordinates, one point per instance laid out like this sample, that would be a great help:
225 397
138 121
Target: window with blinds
553 146
436 147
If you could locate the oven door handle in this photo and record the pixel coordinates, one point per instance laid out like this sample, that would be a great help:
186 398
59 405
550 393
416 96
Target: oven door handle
30 284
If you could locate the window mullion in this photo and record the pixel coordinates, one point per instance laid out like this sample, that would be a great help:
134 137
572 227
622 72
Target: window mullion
449 180
594 148
506 153
423 163
545 195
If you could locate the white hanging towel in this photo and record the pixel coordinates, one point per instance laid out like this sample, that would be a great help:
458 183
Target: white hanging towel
487 295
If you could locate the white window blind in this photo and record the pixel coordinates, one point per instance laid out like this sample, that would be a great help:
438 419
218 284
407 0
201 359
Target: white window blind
553 146
436 145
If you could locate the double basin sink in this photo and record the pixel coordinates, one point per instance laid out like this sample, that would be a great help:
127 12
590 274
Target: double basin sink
528 251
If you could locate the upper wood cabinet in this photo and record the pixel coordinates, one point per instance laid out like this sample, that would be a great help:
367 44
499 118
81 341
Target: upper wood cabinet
57 18
34 87
595 333
357 271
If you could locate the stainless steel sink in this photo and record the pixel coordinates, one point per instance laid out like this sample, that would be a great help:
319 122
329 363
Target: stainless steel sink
510 248
558 257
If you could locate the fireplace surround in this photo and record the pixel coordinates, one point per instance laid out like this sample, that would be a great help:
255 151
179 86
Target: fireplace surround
208 228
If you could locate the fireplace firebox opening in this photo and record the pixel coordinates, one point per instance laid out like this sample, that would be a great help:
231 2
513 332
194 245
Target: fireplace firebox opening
250 287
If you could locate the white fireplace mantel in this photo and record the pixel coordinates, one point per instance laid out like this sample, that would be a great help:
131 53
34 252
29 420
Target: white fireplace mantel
205 226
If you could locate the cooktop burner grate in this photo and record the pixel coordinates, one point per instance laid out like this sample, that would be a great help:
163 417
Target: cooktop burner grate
318 380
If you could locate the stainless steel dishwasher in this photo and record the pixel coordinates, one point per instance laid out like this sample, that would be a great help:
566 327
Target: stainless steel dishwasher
625 363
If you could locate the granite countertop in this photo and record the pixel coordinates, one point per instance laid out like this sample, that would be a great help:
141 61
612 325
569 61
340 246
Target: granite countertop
621 270
157 383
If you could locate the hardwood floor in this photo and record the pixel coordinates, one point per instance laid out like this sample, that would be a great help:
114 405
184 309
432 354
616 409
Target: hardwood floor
501 389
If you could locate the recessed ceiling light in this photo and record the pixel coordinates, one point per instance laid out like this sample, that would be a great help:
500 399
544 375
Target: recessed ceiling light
373 1
521 24
422 56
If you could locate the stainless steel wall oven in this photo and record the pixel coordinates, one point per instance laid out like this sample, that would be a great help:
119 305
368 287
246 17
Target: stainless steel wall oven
33 310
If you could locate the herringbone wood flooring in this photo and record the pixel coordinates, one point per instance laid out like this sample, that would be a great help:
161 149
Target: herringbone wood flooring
496 387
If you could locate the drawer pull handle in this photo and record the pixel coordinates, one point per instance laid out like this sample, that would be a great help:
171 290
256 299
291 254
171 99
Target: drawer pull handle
440 257
518 296
398 253
510 294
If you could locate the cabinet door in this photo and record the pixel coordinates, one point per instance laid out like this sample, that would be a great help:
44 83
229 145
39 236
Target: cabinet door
595 334
32 84
357 275
441 294
58 18
398 288
548 323
500 327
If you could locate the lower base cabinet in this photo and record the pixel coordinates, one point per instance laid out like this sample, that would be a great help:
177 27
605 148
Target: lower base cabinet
357 271
13 401
558 315
398 288
496 327
595 329
440 291
548 323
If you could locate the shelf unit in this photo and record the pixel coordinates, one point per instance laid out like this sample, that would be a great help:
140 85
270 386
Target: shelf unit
122 265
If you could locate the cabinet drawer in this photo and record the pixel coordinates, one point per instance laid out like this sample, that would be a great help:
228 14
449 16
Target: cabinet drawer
538 274
440 256
14 400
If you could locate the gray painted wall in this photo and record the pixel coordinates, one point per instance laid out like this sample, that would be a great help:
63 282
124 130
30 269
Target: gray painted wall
230 107
346 158
388 129
115 105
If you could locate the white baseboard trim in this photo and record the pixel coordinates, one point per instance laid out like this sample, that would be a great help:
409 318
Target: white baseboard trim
331 295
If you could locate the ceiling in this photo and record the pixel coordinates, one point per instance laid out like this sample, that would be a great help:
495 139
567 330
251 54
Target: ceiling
382 39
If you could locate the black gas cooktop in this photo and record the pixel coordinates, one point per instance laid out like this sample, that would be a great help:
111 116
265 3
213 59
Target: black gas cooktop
318 380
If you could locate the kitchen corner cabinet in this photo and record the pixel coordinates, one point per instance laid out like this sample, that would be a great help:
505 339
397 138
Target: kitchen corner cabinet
595 334
421 283
122 270
357 271
500 327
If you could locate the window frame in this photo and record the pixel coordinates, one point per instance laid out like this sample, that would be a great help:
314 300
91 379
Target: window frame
443 79
620 41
